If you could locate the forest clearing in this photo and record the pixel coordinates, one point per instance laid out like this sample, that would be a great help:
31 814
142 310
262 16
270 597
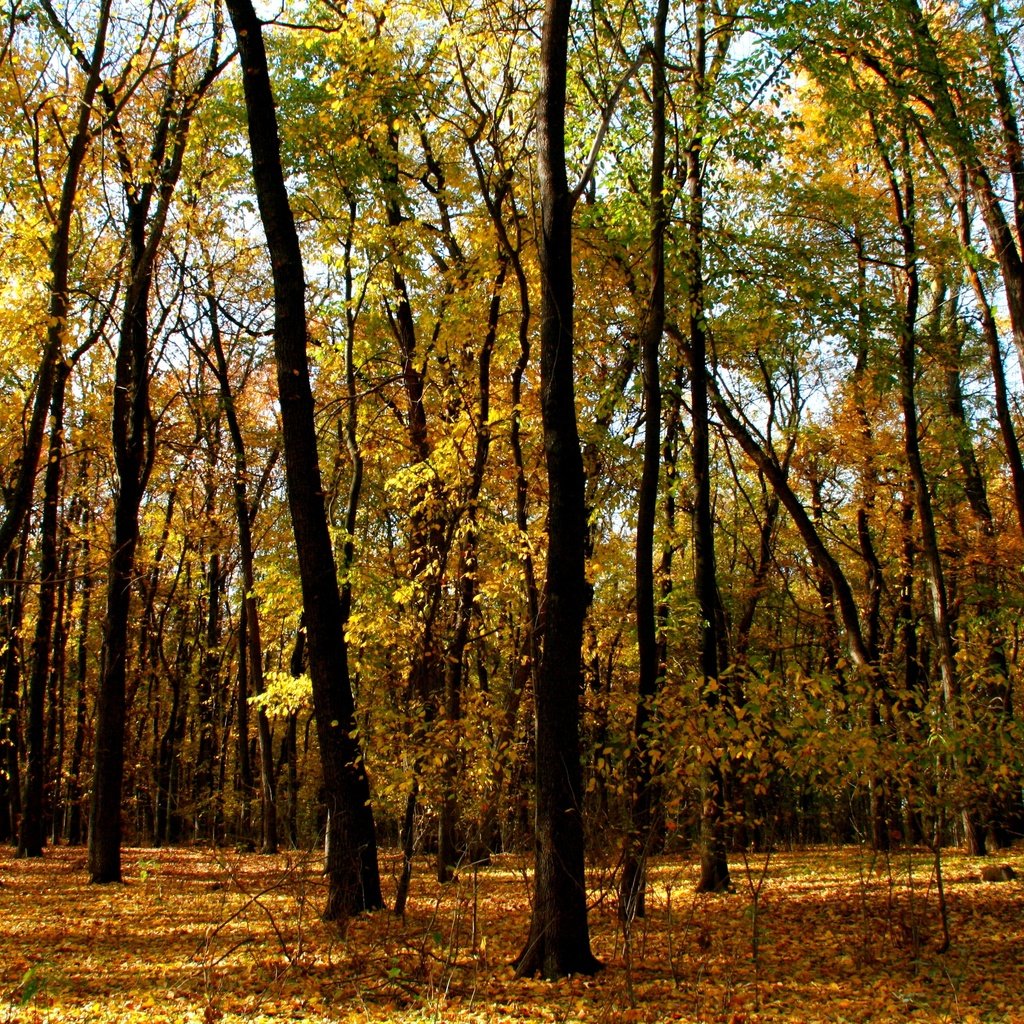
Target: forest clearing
204 936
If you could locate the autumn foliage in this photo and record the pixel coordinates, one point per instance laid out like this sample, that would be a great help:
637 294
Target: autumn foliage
415 436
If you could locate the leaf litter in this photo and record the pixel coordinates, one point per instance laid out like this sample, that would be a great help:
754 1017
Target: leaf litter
202 936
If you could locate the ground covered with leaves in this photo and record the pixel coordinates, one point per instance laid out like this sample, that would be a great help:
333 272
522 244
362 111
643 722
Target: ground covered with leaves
197 935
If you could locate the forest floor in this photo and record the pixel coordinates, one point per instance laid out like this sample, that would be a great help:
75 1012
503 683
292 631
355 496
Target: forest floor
211 936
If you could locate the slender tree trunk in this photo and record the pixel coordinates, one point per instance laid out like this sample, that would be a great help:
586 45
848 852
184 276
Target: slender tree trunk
32 831
20 498
904 205
56 694
990 332
208 697
714 872
353 875
449 847
250 636
816 548
12 608
246 783
643 826
74 826
960 134
559 938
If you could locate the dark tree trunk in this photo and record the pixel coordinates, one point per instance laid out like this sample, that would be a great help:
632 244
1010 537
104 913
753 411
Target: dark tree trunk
643 826
816 548
147 203
878 786
74 830
961 136
559 939
133 453
246 783
714 871
903 198
166 797
250 639
56 699
12 609
209 689
990 332
32 831
19 500
353 875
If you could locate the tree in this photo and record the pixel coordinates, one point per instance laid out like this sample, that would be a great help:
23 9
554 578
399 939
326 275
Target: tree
644 826
353 874
559 940
147 201
20 496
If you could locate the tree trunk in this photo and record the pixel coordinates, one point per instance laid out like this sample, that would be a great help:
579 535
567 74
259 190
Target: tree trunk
74 831
559 938
353 875
714 871
133 453
249 621
32 831
20 498
147 203
990 332
12 608
642 828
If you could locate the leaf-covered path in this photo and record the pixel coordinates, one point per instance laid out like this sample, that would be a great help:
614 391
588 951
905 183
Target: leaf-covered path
206 936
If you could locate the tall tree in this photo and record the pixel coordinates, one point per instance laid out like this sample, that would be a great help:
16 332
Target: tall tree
559 940
19 498
147 199
352 870
643 824
714 872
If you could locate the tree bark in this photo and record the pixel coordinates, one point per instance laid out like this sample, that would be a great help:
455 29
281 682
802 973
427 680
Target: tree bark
353 874
559 938
714 870
12 609
147 203
249 621
31 834
642 828
20 498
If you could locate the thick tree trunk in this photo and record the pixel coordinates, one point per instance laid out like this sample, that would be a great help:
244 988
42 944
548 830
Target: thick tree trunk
132 427
559 939
353 875
147 203
108 771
